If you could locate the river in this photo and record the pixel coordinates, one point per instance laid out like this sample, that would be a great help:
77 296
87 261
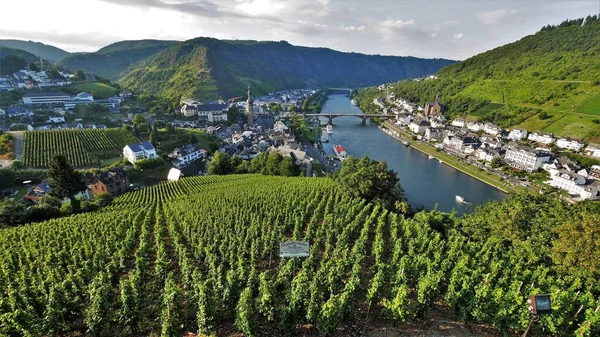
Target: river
426 182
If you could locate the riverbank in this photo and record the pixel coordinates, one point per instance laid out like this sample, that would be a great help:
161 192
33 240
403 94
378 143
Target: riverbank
486 177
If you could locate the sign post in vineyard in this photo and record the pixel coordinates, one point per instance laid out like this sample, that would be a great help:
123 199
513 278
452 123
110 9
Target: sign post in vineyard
294 249
537 305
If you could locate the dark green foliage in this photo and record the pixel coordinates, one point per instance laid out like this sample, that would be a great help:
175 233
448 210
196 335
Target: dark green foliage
7 178
207 68
149 163
64 181
220 164
370 180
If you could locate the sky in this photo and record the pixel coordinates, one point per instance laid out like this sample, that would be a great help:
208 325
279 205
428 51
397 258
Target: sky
454 29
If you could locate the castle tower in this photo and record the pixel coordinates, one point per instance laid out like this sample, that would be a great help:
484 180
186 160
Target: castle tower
250 107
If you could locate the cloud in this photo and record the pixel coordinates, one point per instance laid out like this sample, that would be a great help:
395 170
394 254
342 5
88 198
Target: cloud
497 16
395 24
458 35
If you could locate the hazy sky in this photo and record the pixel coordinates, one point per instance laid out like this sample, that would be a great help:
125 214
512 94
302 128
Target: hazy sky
425 28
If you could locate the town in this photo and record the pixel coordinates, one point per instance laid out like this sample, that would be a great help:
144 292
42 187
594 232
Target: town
519 157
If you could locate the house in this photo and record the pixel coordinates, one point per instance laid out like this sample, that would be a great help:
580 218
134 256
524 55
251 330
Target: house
264 122
475 126
185 155
542 138
459 122
45 98
214 112
125 93
433 109
486 154
36 193
564 143
280 127
564 163
56 119
418 126
189 110
434 134
517 134
491 129
115 182
462 144
134 152
575 184
525 158
593 150
404 119
594 172
16 111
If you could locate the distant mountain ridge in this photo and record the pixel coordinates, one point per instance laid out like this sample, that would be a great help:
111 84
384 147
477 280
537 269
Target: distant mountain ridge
207 68
110 61
12 60
46 52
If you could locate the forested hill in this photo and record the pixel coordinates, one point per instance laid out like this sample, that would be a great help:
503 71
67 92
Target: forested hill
46 52
12 60
110 61
555 71
201 255
209 68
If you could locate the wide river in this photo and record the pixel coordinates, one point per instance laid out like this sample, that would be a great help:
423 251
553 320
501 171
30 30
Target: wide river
427 182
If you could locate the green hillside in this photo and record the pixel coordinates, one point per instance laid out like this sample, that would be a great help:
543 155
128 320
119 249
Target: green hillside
46 52
208 68
113 59
202 255
12 60
555 71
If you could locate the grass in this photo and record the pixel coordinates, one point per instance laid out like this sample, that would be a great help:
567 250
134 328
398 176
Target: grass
110 161
576 126
98 90
168 141
590 106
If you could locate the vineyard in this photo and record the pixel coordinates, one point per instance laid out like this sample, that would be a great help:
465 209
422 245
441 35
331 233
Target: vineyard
201 255
82 147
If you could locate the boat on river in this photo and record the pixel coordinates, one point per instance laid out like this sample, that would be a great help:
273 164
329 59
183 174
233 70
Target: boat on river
459 198
354 102
340 151
431 157
405 143
329 129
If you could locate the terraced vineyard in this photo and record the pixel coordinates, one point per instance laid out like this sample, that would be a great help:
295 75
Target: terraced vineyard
201 255
82 147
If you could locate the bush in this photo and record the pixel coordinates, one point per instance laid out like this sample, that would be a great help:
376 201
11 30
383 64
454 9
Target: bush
543 115
150 163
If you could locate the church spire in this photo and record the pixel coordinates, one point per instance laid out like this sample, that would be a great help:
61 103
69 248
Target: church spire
250 107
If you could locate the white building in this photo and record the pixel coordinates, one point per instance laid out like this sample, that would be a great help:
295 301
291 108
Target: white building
186 155
217 116
525 158
574 145
475 126
45 98
403 119
542 138
434 134
517 134
135 152
459 122
491 129
80 98
486 155
575 184
418 126
593 150
56 119
189 110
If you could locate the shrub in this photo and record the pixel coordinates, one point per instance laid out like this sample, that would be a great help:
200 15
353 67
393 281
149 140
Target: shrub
150 163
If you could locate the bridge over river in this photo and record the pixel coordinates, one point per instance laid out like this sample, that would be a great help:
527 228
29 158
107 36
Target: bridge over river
362 116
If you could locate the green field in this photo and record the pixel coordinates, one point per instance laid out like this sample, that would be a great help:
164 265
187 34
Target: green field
98 90
591 106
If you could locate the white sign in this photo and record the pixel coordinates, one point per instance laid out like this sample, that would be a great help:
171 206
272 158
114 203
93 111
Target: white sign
293 249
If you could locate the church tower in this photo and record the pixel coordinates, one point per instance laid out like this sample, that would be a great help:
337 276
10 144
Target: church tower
250 107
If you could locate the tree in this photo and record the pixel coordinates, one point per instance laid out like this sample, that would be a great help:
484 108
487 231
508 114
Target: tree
287 168
370 180
7 178
272 165
139 122
17 165
543 115
305 105
64 181
80 75
496 162
153 139
220 164
577 250
11 213
293 108
33 67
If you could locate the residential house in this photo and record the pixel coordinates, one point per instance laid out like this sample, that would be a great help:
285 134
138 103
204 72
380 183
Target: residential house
280 127
36 193
125 93
575 184
459 122
517 134
475 126
56 119
574 145
486 154
134 152
542 138
115 182
462 144
185 155
16 111
404 119
418 126
189 110
594 172
525 158
213 112
34 98
434 134
593 150
491 129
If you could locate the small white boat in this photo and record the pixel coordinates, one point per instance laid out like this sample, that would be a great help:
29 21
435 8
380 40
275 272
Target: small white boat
459 198
405 143
329 129
440 161
354 102
431 157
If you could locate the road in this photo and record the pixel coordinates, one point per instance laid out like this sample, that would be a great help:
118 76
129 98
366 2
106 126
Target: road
19 137
320 157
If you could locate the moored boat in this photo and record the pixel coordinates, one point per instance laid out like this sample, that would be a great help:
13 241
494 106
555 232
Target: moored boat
329 129
431 157
459 198
340 151
354 102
